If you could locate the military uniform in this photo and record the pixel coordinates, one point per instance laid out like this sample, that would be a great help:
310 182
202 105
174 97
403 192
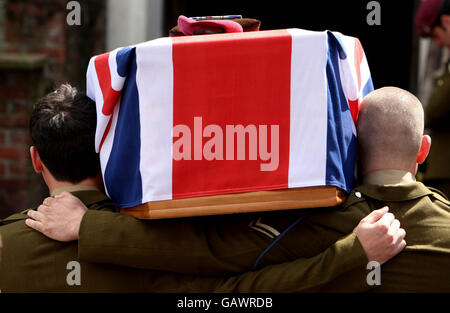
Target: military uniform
423 266
214 245
32 262
437 116
226 246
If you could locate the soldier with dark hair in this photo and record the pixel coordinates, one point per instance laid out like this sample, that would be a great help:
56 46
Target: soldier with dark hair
62 126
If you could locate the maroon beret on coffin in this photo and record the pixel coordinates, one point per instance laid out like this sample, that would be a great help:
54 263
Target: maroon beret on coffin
247 25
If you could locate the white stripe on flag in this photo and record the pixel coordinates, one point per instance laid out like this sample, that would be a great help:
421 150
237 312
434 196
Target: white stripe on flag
94 92
154 79
108 143
365 75
347 70
308 126
117 81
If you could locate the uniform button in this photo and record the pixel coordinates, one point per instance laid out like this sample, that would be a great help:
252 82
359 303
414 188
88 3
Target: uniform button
357 194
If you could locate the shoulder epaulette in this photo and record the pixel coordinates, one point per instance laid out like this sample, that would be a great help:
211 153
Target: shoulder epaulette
439 195
15 217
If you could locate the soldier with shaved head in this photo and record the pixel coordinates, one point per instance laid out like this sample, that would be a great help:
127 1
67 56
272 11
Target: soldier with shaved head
391 144
390 131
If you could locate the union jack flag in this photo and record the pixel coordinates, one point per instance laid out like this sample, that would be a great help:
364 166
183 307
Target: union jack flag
308 83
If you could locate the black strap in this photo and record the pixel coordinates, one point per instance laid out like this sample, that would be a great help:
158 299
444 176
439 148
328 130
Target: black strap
258 260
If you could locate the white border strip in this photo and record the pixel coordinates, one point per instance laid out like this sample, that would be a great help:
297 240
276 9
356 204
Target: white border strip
309 109
154 79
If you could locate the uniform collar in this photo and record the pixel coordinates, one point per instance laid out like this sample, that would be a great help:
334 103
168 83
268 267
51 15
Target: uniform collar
87 194
400 192
73 188
388 177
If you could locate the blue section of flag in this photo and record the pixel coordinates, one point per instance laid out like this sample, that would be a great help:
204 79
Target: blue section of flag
341 142
337 45
368 87
122 174
123 59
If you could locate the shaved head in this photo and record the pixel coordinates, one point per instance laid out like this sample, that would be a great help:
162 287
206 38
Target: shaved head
390 129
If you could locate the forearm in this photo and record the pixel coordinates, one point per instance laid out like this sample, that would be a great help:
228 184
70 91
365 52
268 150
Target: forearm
181 246
302 275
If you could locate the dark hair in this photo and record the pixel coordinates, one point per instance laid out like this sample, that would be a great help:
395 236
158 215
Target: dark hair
62 127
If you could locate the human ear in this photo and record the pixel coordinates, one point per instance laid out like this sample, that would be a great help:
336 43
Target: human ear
36 160
424 149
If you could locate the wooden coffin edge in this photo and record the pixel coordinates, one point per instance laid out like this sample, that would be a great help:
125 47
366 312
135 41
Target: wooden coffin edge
247 202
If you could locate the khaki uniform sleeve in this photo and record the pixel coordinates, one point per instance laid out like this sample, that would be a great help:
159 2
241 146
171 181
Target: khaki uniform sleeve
215 246
302 275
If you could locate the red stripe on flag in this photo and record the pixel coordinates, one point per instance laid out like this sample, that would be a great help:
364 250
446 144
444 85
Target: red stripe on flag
226 81
105 133
110 96
359 55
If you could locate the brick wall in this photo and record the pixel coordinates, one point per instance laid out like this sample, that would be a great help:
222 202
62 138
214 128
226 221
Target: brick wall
37 27
22 83
38 51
